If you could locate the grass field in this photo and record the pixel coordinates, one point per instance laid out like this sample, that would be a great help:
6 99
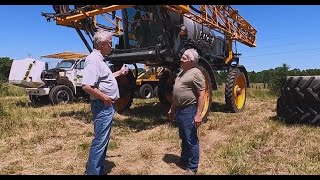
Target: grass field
56 139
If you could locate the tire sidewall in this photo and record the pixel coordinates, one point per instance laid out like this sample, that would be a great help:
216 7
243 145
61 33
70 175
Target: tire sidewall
56 90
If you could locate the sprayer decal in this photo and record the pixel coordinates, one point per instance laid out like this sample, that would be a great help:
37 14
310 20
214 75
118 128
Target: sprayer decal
28 71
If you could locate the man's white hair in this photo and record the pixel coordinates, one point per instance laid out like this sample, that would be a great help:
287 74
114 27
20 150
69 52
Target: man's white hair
192 55
101 36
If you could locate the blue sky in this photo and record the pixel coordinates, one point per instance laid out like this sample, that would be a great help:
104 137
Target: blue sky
285 34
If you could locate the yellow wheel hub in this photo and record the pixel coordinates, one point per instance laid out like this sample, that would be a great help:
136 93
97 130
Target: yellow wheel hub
206 98
239 91
207 93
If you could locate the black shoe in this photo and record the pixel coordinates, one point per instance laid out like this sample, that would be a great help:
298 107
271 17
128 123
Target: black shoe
182 165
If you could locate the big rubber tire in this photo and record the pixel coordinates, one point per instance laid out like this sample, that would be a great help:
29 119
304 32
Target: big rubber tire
155 91
127 87
208 94
146 91
166 82
61 94
235 90
299 101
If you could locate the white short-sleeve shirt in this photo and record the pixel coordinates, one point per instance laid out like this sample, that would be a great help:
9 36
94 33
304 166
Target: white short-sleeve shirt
97 73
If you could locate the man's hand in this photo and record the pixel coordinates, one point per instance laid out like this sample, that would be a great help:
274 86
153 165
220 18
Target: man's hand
197 120
107 101
171 115
124 70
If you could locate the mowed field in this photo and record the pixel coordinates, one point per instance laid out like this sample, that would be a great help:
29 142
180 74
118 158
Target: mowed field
56 139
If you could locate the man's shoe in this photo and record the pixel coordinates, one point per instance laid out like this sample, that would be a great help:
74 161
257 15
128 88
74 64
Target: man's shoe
183 165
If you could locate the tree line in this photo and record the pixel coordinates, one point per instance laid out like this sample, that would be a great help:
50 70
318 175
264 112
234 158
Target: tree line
5 65
271 77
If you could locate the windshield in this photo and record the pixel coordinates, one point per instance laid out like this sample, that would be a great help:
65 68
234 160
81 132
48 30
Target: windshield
144 26
65 64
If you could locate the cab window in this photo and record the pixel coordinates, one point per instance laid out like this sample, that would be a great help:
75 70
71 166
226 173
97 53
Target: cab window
80 65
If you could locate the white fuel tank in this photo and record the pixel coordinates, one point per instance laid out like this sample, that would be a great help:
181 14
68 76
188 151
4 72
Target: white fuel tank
26 73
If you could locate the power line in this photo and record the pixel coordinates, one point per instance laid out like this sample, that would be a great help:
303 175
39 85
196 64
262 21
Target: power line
282 44
284 52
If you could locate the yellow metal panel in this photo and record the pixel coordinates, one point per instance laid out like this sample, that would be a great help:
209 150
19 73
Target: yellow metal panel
83 15
66 55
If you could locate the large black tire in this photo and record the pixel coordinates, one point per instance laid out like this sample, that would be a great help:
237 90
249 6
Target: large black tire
39 100
127 87
235 90
299 101
155 91
146 91
165 87
61 94
208 94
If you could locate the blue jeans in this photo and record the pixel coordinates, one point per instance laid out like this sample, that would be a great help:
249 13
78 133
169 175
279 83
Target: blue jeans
102 116
188 135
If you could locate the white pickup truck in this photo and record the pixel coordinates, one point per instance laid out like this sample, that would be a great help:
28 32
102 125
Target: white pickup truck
61 84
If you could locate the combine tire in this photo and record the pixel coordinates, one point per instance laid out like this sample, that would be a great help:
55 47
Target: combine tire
61 94
299 101
166 82
126 86
208 94
235 91
146 91
155 91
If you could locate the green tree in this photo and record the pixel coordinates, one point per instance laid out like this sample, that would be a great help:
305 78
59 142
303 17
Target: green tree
5 65
221 77
276 80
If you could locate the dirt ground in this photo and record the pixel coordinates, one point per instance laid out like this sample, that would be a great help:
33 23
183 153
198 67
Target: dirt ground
144 142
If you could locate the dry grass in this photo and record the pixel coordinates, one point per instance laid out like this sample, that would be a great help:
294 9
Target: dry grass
56 140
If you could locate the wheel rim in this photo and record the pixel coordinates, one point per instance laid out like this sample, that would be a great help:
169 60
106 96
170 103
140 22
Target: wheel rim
122 103
63 96
147 92
206 96
125 94
239 91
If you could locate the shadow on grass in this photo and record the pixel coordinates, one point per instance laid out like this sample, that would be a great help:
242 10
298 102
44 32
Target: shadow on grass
81 115
218 107
144 117
29 104
284 122
44 103
277 119
109 165
172 158
139 118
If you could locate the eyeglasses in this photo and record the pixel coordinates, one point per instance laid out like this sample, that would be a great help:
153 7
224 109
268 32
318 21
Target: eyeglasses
185 58
110 43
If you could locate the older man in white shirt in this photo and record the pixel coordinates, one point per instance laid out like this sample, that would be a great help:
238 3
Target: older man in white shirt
100 83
